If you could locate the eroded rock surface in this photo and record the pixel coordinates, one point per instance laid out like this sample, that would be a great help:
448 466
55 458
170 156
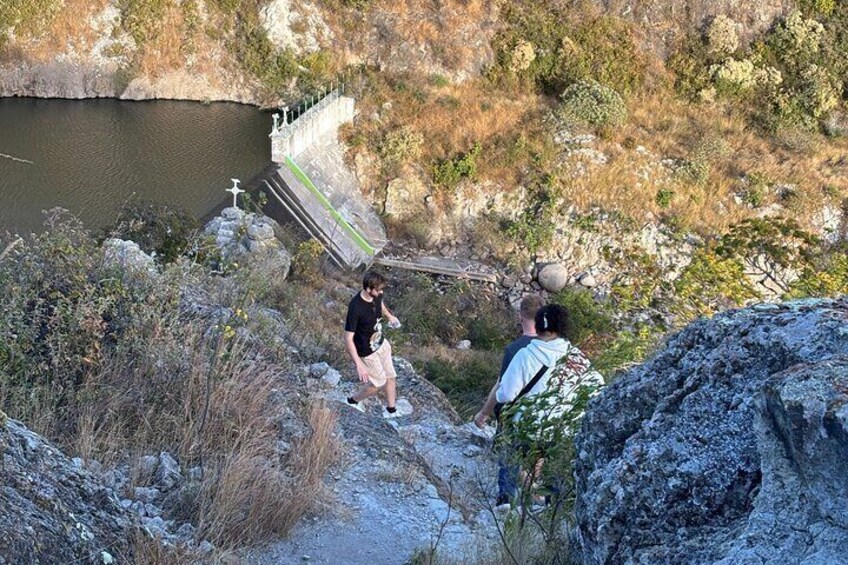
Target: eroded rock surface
725 447
51 510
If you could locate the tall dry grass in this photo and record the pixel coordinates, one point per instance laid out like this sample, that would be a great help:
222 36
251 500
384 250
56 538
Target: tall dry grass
250 495
217 410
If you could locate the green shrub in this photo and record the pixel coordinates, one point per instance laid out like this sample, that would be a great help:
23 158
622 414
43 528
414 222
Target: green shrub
458 313
142 19
592 103
625 350
711 283
466 382
59 310
449 173
534 228
306 264
817 7
25 17
587 319
826 276
663 197
401 146
722 36
158 229
819 91
549 46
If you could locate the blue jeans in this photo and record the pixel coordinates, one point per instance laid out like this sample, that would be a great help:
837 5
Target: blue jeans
507 478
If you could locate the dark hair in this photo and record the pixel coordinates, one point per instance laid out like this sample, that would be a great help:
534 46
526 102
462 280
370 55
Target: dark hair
552 318
530 304
372 279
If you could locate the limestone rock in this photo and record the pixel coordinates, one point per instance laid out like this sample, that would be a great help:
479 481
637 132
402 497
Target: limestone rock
553 277
168 473
237 233
464 345
405 197
587 280
53 512
128 256
726 447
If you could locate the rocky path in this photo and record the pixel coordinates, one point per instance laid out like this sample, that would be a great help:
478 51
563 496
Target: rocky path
403 485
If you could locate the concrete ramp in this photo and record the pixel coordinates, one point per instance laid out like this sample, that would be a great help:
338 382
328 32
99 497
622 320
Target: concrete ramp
323 162
313 184
290 187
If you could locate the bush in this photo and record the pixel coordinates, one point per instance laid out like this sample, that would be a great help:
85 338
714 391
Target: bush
819 92
449 173
465 382
306 265
158 229
586 318
401 146
663 197
24 17
592 103
549 46
142 19
722 37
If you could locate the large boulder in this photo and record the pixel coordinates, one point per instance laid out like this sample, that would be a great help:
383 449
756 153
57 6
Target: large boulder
52 511
727 447
238 233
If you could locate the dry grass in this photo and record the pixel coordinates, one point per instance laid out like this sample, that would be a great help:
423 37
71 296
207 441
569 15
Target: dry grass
219 412
248 497
69 31
452 117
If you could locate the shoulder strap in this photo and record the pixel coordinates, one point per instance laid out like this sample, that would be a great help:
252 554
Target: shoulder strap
529 386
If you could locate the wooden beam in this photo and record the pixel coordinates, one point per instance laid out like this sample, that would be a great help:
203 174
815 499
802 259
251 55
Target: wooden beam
457 272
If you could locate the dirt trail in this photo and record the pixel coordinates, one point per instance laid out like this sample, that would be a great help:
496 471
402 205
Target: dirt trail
402 486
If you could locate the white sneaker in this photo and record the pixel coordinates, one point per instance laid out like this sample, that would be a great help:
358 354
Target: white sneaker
357 406
389 415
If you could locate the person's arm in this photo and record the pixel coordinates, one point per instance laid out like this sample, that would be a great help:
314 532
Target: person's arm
488 408
388 314
514 378
361 370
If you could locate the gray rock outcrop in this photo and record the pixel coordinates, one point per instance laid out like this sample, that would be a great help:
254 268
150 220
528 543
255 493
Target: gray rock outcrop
52 511
727 447
237 233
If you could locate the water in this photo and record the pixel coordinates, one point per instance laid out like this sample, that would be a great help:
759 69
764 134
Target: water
92 156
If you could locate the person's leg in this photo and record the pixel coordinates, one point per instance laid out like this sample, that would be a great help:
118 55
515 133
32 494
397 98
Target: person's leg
507 474
367 392
376 377
388 367
391 393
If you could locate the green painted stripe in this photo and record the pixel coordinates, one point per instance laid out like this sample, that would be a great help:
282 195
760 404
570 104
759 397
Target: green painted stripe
307 182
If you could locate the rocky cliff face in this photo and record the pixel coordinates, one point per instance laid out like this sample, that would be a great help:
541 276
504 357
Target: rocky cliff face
52 510
727 447
665 23
88 52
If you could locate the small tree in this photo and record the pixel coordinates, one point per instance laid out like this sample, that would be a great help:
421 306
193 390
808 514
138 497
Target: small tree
774 250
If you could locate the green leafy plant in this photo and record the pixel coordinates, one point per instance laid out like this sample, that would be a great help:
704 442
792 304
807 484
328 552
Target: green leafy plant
449 173
587 318
592 103
771 247
158 229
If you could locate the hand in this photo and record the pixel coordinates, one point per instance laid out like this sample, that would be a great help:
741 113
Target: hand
394 322
362 371
480 420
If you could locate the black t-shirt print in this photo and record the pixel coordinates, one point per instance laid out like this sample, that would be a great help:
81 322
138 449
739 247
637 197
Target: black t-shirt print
365 320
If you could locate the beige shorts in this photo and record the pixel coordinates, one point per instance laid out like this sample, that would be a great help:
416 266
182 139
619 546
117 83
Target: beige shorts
379 365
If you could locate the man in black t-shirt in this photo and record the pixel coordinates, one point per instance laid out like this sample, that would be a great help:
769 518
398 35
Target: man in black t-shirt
367 346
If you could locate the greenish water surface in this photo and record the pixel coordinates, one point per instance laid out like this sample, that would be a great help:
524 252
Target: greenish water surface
92 156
